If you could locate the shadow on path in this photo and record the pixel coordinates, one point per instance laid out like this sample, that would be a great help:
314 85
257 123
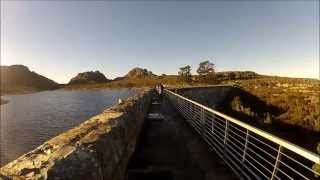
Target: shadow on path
168 149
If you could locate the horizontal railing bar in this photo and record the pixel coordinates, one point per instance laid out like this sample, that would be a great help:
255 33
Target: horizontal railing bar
240 143
237 147
236 152
215 132
243 138
299 150
251 150
260 141
216 123
268 170
216 117
253 160
216 137
244 165
252 165
292 169
233 126
228 160
262 150
299 163
215 127
279 170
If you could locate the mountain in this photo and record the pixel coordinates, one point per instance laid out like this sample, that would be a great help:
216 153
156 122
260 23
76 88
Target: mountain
18 78
139 72
89 77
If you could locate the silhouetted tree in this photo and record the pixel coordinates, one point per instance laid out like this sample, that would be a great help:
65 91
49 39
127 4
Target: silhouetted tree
185 73
206 71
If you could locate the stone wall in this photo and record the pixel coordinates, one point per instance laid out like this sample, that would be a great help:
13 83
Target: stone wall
97 149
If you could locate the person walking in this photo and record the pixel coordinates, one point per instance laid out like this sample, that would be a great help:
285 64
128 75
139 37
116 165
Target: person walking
159 89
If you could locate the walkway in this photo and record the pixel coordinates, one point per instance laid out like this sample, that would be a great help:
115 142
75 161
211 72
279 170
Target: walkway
169 149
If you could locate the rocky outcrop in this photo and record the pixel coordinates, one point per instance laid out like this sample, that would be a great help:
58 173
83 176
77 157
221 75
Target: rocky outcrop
97 149
138 72
19 77
89 77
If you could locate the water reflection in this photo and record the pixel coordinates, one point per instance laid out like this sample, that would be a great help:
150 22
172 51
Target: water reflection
28 120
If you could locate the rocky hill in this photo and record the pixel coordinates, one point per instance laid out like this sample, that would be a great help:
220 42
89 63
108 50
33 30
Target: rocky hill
138 72
89 77
17 78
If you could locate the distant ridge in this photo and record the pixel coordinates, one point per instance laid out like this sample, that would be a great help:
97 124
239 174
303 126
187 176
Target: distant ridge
20 78
230 75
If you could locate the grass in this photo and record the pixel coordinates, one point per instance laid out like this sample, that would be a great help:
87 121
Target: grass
299 98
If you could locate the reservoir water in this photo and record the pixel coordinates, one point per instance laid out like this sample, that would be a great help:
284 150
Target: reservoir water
30 119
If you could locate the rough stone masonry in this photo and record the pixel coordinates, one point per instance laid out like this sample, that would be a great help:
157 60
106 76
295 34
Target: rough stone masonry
97 149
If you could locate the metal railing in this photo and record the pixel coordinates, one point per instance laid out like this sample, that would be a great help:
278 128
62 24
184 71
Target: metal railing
250 152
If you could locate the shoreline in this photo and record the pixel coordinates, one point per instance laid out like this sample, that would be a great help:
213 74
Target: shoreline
70 89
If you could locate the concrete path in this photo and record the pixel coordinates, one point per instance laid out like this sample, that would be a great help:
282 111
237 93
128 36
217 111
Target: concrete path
169 149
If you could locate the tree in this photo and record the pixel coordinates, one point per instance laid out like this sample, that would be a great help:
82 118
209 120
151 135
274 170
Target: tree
206 71
185 73
206 68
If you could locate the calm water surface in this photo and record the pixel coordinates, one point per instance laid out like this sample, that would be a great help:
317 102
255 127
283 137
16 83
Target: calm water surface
30 119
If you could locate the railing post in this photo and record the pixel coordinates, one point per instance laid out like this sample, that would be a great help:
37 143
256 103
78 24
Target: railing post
226 132
212 123
245 146
277 163
178 104
189 109
202 120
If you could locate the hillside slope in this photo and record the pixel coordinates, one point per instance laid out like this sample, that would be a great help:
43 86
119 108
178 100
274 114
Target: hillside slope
297 97
18 78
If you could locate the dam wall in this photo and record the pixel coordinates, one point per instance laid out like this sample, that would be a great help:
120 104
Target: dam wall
212 96
97 149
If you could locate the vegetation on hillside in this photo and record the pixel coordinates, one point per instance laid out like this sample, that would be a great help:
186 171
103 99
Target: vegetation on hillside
298 98
19 79
139 73
89 77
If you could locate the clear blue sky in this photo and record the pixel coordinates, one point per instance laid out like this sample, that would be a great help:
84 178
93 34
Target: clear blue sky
59 39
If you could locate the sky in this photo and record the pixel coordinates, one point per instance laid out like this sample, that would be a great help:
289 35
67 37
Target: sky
59 39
